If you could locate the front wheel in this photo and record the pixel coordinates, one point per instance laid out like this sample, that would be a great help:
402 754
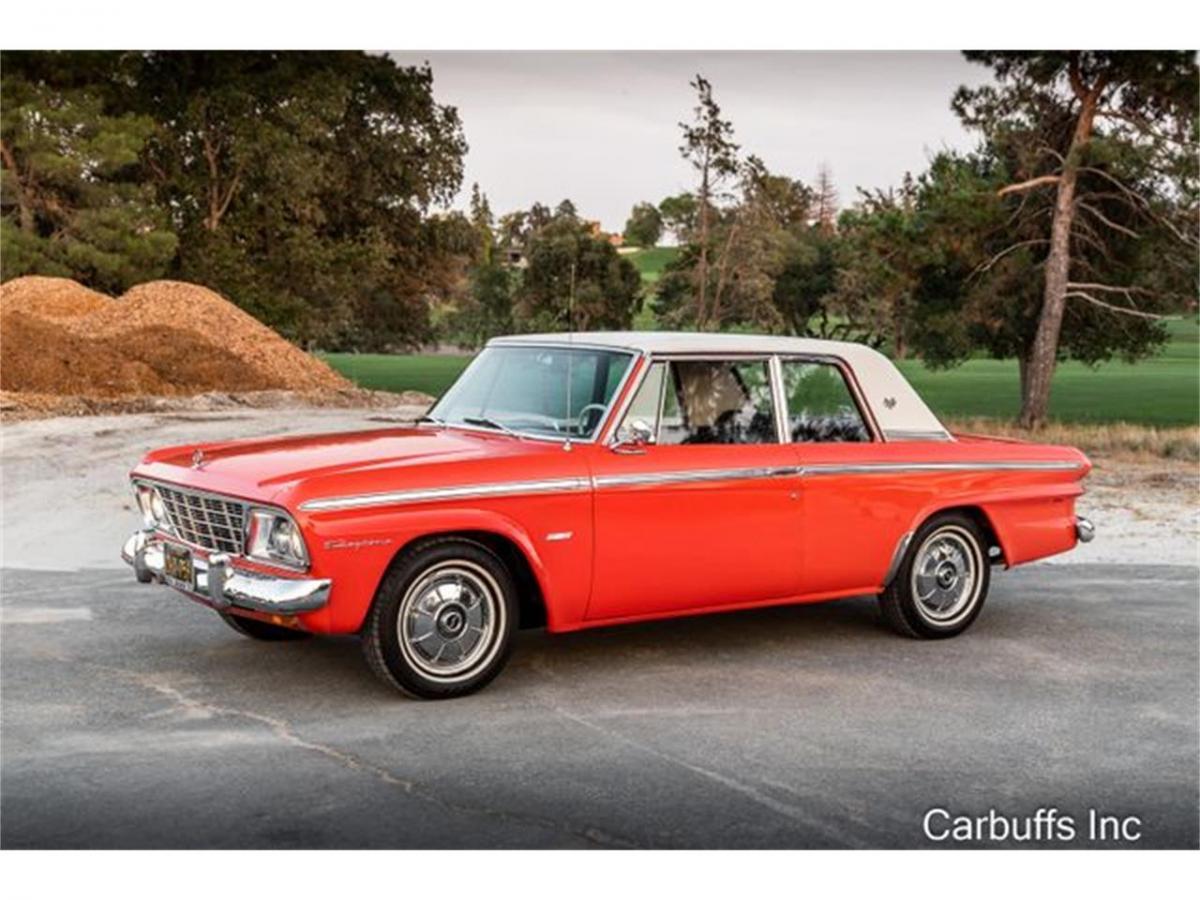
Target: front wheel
943 581
443 620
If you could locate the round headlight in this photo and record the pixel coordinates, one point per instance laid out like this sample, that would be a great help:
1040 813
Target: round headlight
157 508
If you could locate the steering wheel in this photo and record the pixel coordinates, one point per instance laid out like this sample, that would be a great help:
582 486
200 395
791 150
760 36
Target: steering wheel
583 412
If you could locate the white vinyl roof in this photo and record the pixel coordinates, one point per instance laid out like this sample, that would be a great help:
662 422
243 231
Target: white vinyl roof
897 408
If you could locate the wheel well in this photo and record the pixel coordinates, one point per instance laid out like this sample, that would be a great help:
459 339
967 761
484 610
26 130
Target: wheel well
531 603
979 517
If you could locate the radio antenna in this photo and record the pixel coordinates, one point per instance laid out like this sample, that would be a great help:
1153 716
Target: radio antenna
570 350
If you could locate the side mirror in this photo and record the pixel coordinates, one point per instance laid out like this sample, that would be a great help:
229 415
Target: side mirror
633 437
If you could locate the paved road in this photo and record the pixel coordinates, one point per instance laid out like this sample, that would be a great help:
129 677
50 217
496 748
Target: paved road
133 718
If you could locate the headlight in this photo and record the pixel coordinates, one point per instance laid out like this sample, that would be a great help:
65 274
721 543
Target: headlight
275 538
154 511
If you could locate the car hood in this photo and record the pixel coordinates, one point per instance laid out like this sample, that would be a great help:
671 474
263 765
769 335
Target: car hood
300 467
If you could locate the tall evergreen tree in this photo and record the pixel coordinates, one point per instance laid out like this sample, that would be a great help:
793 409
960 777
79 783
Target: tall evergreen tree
708 145
1122 124
72 195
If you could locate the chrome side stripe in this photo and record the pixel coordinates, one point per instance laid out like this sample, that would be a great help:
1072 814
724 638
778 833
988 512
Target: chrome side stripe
648 479
427 495
694 476
879 468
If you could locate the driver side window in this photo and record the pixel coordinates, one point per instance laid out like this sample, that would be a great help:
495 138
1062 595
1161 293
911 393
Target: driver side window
705 402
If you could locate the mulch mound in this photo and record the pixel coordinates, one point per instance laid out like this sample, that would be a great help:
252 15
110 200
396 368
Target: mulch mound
161 339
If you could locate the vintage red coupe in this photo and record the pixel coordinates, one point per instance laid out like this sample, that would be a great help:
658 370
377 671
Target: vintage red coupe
603 478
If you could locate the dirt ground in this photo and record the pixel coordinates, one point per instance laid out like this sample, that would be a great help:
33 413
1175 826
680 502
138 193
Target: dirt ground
66 501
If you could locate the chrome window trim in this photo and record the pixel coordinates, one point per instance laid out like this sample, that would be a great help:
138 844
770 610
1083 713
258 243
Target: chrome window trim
900 434
458 492
782 434
631 352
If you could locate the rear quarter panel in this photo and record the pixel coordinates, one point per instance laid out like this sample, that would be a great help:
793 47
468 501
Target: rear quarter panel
854 520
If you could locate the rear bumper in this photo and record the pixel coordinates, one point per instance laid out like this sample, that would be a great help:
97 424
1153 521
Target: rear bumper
221 586
1084 529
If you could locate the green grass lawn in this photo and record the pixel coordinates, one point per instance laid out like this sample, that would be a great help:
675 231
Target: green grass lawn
431 374
1162 390
650 263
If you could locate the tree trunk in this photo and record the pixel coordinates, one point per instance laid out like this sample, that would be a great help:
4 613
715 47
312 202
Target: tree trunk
702 268
899 341
1043 356
1023 370
24 208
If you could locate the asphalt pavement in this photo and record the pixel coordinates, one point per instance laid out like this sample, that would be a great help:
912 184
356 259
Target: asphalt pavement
131 717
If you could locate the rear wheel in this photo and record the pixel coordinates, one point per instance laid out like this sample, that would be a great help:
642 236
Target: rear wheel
262 631
943 581
443 620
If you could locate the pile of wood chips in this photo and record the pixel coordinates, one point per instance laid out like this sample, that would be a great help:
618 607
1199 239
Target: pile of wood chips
59 339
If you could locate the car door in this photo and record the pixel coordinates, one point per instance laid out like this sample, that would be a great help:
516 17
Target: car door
853 519
704 514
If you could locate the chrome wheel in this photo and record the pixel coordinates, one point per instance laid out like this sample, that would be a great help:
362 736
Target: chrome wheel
450 620
946 575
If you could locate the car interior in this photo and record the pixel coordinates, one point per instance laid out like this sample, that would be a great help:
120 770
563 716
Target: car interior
730 402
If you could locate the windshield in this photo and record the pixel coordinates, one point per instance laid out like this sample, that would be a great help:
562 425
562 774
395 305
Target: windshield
524 389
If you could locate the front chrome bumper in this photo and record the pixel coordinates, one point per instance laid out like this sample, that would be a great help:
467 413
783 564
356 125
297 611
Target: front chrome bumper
1084 529
221 586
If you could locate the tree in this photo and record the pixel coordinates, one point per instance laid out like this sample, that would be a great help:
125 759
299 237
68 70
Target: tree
482 221
679 216
753 238
72 200
1095 116
825 200
882 252
301 185
708 145
645 225
564 256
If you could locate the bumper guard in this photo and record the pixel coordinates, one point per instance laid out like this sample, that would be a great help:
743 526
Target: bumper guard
221 586
1084 529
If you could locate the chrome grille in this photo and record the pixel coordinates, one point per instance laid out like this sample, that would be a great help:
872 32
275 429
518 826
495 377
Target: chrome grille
214 523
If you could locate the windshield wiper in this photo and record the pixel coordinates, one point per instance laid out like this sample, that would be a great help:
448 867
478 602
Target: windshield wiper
490 423
434 419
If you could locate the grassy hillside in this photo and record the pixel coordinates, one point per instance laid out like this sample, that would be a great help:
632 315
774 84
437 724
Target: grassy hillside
651 261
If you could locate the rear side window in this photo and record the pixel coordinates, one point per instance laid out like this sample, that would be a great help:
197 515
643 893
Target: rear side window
820 406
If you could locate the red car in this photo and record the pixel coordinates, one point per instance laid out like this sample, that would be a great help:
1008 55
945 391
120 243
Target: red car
603 478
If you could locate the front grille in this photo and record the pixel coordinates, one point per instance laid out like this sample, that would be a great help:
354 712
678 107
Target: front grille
214 523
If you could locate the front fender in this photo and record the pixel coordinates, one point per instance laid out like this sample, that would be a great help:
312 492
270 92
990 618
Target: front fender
355 548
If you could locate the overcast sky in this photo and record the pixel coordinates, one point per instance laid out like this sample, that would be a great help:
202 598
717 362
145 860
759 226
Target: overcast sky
602 127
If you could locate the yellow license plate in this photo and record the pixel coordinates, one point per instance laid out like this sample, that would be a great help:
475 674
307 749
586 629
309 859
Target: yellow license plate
178 570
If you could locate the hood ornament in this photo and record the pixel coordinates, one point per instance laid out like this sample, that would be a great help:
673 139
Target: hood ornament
197 459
